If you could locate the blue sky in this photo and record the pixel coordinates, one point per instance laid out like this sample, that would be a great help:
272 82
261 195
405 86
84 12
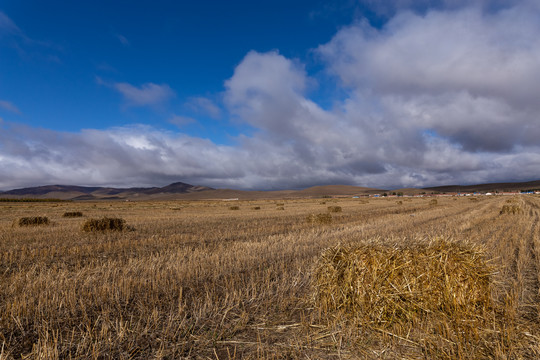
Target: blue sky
61 62
269 95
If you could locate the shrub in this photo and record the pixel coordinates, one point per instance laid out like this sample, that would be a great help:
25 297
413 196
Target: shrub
399 202
511 209
104 224
433 202
73 214
280 204
319 219
334 209
234 207
280 208
473 199
256 208
33 220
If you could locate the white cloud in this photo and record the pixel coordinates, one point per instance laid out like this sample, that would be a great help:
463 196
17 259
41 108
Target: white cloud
449 96
7 25
123 40
148 94
181 121
204 106
470 76
6 105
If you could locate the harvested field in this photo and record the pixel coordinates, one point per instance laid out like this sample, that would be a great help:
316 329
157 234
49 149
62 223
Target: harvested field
380 281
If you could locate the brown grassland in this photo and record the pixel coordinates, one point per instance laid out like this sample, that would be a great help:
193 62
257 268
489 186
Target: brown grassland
458 279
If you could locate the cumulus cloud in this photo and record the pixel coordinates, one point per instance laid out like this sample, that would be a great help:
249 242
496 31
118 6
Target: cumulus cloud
440 97
467 75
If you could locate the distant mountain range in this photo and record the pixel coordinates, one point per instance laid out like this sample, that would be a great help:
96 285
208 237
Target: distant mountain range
493 187
72 192
183 191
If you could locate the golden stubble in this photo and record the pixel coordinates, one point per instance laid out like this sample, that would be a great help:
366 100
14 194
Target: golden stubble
197 280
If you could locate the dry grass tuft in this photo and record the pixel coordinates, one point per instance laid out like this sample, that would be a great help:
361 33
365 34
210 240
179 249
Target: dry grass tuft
511 209
280 208
473 199
104 224
33 220
73 214
319 219
433 202
256 208
335 209
234 207
399 202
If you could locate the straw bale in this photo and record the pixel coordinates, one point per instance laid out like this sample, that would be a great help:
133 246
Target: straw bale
319 219
33 220
511 209
104 224
73 214
384 284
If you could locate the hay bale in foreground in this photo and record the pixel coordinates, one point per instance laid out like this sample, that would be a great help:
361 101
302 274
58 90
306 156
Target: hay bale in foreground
383 284
104 224
33 220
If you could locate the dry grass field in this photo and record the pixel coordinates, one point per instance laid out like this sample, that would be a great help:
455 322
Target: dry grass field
455 279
